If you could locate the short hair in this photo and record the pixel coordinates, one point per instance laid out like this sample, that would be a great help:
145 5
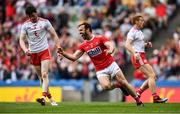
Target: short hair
135 18
30 10
86 25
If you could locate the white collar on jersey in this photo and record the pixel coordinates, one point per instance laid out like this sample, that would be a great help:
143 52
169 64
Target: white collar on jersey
93 36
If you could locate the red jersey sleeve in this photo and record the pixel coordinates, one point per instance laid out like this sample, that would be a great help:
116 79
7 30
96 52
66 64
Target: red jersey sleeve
81 47
104 39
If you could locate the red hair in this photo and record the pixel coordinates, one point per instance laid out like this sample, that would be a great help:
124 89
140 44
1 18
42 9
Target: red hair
135 18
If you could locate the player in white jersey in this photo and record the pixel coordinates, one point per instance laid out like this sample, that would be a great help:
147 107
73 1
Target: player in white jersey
136 46
35 30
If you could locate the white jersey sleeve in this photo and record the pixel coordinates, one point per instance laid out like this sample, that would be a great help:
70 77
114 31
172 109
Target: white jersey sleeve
130 36
48 25
23 29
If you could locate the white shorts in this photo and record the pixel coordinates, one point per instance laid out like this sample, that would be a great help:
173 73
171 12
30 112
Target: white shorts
111 70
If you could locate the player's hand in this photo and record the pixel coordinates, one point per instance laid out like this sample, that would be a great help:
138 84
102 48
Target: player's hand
60 53
148 45
108 51
28 52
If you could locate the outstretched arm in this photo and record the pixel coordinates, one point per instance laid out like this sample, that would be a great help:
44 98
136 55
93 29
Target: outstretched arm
73 57
110 47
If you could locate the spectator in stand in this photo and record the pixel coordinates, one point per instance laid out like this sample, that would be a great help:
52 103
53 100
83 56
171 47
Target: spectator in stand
161 12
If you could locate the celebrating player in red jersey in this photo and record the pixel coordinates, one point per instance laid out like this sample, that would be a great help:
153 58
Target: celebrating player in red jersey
136 46
99 49
36 29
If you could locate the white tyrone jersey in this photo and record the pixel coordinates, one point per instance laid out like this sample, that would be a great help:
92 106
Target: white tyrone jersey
36 34
137 38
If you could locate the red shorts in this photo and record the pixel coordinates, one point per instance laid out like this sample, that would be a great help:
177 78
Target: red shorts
140 62
36 58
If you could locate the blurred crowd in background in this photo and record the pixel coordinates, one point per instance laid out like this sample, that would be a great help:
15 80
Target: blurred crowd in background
107 17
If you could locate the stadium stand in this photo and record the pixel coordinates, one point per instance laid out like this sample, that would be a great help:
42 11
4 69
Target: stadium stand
108 17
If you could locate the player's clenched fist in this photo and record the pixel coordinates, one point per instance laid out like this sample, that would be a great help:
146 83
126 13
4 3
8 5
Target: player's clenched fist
148 45
60 53
28 52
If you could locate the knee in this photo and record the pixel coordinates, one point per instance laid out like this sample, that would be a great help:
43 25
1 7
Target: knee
44 75
106 87
153 76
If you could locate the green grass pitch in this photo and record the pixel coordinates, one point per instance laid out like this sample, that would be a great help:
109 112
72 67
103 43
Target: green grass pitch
90 108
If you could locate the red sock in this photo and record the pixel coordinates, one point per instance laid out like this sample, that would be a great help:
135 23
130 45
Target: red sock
137 99
44 94
140 91
117 85
49 95
155 95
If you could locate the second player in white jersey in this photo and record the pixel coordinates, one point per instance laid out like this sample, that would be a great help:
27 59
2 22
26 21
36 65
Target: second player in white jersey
36 34
136 46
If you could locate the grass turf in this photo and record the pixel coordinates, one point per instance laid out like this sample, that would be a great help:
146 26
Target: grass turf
93 107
